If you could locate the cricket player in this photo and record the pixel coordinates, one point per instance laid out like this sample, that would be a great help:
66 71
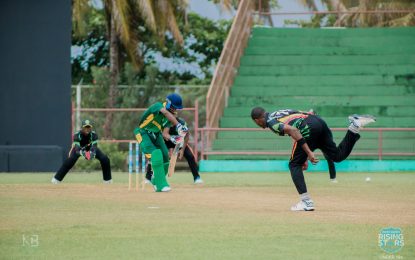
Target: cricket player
85 143
149 136
309 132
171 138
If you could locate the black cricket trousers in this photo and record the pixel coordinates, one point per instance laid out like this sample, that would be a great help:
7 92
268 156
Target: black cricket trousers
190 158
320 138
74 156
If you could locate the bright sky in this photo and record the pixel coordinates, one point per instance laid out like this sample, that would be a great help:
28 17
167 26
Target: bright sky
213 11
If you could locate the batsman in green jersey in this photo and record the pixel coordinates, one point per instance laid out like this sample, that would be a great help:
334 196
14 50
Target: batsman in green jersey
149 136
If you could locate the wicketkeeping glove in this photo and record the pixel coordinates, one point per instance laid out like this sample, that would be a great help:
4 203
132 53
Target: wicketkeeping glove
182 129
176 139
84 153
92 154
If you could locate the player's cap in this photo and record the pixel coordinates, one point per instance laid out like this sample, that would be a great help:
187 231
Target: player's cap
86 123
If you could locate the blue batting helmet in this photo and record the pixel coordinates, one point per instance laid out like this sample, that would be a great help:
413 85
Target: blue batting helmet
174 101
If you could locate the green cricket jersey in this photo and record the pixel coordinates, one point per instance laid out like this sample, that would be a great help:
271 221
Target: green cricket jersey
153 120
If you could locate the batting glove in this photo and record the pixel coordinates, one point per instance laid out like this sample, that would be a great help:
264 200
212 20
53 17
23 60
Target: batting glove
176 139
182 129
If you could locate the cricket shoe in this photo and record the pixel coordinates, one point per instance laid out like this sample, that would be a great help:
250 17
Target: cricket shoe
198 180
359 121
107 182
55 181
166 189
303 205
334 181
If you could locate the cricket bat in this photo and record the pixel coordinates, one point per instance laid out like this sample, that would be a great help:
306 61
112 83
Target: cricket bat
173 159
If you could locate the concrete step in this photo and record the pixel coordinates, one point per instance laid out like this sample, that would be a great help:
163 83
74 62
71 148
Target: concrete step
272 60
246 121
321 70
330 111
324 91
313 101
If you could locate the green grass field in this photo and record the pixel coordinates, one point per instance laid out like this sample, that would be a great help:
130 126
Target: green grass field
231 216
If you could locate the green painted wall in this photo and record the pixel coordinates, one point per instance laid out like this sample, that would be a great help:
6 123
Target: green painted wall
282 166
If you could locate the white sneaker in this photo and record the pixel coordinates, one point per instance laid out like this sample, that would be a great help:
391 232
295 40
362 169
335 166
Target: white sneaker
147 181
55 181
166 189
303 205
334 180
359 121
198 181
107 182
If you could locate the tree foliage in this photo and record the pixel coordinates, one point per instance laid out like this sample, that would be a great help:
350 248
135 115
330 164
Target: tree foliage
203 43
126 24
361 19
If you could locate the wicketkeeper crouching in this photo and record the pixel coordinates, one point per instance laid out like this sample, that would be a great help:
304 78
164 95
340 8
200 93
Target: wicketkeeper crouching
85 144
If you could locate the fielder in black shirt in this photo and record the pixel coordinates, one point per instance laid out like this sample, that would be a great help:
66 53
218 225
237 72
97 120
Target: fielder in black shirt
84 144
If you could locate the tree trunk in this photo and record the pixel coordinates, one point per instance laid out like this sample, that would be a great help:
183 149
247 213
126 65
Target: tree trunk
114 71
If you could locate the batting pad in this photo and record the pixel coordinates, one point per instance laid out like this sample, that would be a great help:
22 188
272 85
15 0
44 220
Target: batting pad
166 168
159 180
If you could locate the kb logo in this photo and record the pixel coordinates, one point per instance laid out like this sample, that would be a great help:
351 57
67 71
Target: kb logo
30 240
391 240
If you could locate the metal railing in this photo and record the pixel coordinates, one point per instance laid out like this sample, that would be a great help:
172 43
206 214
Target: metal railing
195 110
207 150
228 63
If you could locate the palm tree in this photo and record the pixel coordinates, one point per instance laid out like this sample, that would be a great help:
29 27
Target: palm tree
368 20
262 6
127 21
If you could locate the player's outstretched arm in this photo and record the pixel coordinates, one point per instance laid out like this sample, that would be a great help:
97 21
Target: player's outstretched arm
169 116
181 129
296 135
166 135
172 138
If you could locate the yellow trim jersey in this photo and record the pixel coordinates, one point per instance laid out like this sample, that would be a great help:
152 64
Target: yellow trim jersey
153 120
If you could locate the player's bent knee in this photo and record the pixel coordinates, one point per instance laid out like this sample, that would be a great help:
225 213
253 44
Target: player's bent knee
293 165
336 159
